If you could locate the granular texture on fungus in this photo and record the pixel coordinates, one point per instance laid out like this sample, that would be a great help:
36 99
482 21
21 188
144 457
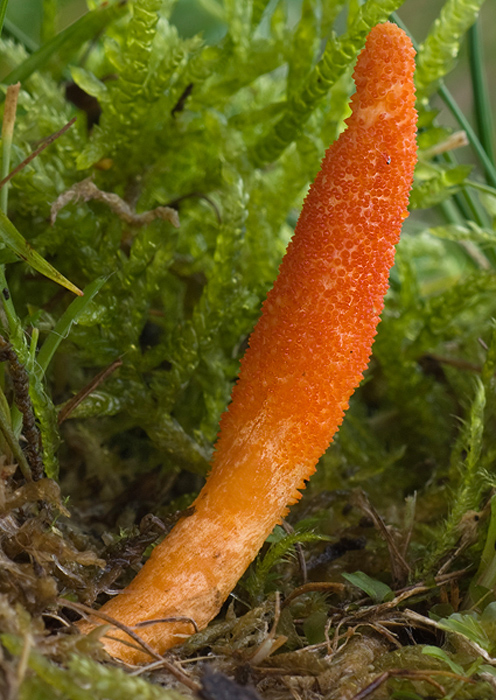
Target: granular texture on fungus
306 355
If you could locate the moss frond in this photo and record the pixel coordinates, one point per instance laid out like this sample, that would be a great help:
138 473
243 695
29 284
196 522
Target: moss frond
438 52
228 132
338 55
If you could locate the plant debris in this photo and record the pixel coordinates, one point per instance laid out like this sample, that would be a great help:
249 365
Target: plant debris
86 190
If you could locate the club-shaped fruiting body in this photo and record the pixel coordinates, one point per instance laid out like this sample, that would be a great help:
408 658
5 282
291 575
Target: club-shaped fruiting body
306 356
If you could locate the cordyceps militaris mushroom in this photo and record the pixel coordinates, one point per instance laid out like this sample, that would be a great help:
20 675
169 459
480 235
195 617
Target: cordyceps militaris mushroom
306 356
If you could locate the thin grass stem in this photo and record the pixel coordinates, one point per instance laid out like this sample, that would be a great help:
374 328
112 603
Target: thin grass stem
462 120
12 440
8 123
48 24
21 37
448 99
481 187
64 324
482 105
3 10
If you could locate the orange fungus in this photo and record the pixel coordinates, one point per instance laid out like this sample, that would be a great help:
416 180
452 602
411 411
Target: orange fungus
306 356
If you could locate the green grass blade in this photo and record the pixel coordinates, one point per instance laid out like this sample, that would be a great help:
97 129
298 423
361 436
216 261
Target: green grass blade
21 37
83 29
471 135
258 8
49 21
14 327
12 439
450 102
63 326
9 116
482 105
3 10
11 237
481 187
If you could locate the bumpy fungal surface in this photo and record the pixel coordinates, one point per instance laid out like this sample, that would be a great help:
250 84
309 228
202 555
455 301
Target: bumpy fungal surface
306 355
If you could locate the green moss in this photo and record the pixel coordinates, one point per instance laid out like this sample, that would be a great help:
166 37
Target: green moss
229 134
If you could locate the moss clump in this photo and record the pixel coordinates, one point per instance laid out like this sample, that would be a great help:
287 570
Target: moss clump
127 384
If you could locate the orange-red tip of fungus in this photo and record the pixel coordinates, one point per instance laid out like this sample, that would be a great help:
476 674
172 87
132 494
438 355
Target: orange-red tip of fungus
313 341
